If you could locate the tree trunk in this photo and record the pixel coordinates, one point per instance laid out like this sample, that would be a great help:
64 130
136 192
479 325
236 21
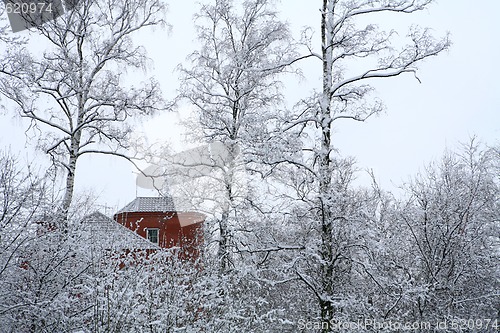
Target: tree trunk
70 177
223 252
327 262
68 195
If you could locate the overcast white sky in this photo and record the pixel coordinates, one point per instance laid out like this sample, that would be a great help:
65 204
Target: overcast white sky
459 96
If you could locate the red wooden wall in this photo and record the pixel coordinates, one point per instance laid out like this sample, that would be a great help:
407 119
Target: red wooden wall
176 229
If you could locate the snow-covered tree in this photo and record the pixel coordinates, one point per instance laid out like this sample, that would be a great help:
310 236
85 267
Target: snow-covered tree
91 280
21 197
431 256
234 85
37 269
73 92
141 292
345 94
452 218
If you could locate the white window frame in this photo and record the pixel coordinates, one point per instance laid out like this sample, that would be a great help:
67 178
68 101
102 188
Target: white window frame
157 235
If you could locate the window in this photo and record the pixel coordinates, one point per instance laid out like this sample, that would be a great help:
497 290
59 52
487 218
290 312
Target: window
152 235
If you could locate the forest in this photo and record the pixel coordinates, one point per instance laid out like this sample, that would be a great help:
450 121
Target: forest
292 243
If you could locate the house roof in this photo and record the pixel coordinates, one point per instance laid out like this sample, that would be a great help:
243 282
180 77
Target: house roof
162 204
149 204
107 233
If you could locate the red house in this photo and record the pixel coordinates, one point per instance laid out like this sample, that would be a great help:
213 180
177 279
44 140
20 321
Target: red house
156 219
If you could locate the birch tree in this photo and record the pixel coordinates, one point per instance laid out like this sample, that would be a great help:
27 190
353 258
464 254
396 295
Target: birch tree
234 86
344 95
74 93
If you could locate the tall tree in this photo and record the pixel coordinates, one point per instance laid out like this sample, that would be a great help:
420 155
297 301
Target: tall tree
234 87
74 91
234 84
344 39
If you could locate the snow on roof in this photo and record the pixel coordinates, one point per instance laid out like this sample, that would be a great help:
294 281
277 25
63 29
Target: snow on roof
106 232
162 204
149 204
